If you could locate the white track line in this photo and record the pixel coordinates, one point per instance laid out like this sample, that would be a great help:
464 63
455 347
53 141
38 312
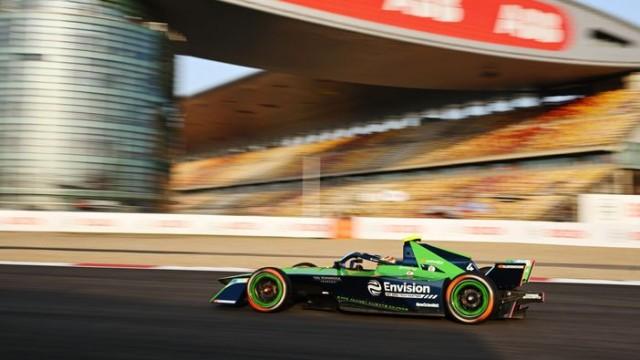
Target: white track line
27 263
243 270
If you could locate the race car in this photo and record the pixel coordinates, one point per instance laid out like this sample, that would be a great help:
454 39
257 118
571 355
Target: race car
428 281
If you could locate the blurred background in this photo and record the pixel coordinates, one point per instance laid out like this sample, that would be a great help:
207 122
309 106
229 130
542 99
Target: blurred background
219 136
92 119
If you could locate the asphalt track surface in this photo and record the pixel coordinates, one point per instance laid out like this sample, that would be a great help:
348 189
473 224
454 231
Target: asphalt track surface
80 313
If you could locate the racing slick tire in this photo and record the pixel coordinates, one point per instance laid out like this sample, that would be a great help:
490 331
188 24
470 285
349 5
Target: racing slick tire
470 298
269 290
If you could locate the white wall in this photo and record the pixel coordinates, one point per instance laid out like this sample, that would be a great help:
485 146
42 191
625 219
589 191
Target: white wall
95 222
601 208
615 234
497 231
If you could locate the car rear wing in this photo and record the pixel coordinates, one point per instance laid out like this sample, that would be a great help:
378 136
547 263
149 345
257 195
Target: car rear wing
510 274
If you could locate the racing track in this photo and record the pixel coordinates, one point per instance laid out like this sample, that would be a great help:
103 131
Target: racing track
64 313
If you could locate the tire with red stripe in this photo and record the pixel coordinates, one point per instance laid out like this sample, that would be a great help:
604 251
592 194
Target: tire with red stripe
269 290
471 298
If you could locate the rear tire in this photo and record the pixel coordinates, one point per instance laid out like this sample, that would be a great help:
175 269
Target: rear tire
268 290
470 298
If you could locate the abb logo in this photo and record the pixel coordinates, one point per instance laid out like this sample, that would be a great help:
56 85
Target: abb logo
402 228
309 227
530 24
169 223
23 220
565 233
95 222
240 225
438 10
533 24
633 210
484 230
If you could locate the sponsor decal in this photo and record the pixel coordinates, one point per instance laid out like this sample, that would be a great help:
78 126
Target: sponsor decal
327 279
172 223
427 305
238 225
484 230
510 266
634 210
437 262
566 233
374 287
381 306
23 220
402 229
309 227
532 296
407 290
534 24
96 222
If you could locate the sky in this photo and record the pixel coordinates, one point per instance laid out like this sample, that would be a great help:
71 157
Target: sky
194 75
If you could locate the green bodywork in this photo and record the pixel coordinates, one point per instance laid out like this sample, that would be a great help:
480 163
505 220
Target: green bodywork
424 258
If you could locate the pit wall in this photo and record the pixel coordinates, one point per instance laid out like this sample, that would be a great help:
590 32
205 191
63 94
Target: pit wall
614 234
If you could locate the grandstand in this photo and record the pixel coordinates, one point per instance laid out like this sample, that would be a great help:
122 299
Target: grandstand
526 163
386 114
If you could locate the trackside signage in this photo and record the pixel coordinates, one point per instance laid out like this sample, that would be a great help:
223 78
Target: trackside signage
624 234
532 24
621 234
603 208
179 224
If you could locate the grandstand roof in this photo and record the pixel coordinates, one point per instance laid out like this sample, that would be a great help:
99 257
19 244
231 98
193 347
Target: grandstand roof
270 106
476 45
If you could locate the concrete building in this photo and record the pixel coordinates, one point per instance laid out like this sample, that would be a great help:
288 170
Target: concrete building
85 99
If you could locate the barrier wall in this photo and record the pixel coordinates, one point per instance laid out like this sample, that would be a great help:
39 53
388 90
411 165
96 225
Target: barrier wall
625 235
94 222
620 234
598 208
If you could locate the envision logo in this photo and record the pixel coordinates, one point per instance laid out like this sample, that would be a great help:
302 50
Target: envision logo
400 290
374 287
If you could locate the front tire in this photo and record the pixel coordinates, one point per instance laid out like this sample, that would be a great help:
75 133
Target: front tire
470 298
268 290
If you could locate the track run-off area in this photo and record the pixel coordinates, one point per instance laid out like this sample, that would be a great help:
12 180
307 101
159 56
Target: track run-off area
95 313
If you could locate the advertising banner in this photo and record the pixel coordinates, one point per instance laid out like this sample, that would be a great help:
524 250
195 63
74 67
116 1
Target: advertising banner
532 24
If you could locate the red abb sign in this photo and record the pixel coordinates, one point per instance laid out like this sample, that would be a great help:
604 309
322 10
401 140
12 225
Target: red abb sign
524 23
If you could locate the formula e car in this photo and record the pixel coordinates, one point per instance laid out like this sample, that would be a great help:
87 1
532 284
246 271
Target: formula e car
427 281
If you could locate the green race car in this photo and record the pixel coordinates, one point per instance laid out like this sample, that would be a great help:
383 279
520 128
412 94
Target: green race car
427 281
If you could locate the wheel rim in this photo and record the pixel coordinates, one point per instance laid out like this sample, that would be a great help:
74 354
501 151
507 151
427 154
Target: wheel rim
470 298
266 290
